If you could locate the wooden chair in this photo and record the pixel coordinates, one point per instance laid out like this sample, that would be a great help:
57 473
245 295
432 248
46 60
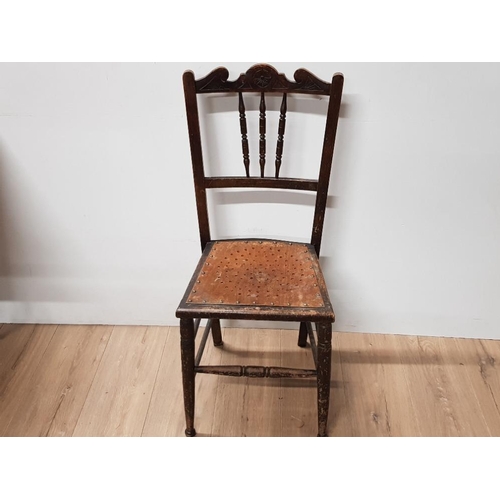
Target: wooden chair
248 278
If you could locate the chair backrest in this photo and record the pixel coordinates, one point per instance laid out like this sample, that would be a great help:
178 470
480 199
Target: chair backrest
263 79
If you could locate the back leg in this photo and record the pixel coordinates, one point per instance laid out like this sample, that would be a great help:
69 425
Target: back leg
302 335
217 333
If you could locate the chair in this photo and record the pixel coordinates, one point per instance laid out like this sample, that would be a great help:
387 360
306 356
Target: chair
247 278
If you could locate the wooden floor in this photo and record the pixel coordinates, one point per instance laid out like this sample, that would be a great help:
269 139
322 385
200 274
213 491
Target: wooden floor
60 380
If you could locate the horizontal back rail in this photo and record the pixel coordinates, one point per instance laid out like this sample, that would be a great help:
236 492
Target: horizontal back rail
261 182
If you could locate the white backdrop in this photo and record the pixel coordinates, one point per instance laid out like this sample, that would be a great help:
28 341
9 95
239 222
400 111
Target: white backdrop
97 214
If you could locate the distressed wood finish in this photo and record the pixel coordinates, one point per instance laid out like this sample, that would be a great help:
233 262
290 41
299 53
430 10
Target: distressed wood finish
258 182
281 137
187 362
228 284
324 364
244 136
217 333
256 272
230 309
302 342
203 343
196 156
326 160
262 77
262 134
256 371
312 340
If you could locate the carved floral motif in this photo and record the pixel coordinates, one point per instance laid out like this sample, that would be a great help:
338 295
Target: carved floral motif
262 77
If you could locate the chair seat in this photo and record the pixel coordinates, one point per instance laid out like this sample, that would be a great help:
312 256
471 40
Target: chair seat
257 279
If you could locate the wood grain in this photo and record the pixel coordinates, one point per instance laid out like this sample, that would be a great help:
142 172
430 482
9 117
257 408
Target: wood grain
121 391
14 340
248 407
466 406
365 398
376 400
428 388
166 412
46 395
340 423
478 358
104 381
299 415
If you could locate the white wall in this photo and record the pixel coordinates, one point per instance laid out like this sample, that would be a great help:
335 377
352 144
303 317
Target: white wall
97 217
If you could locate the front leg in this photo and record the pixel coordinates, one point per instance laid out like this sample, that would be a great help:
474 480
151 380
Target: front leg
188 374
324 331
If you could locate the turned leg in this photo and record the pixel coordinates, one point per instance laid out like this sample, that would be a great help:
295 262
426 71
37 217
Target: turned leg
302 335
324 331
216 333
187 361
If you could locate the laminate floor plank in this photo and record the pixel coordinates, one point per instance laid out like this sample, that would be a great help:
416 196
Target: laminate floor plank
400 404
339 421
207 387
454 386
248 406
47 396
434 380
376 386
13 342
63 380
479 359
121 391
365 398
425 381
166 412
165 415
299 414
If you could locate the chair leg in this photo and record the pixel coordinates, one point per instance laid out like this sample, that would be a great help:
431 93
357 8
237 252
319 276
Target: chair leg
188 374
302 335
324 331
216 333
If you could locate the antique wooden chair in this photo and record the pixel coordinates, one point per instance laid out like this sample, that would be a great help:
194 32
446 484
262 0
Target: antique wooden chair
248 278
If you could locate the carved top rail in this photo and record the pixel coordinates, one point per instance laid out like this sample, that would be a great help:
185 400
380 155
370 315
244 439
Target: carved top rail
262 78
